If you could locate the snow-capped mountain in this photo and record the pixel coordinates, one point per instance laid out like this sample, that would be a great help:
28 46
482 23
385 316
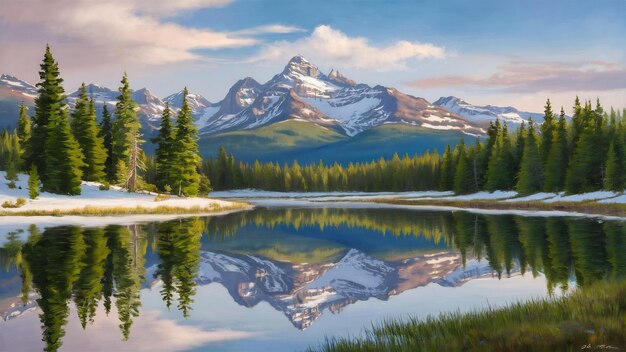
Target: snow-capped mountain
303 291
483 114
196 101
302 92
16 88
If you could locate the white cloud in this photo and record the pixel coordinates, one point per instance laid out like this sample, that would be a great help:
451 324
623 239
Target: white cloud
91 34
326 44
268 29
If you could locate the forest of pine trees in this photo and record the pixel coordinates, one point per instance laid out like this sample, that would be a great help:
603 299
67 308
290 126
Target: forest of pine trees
63 148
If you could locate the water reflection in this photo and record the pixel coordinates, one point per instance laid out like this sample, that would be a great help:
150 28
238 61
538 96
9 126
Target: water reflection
300 261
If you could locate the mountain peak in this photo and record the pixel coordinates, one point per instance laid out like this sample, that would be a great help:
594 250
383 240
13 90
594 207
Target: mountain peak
337 78
299 65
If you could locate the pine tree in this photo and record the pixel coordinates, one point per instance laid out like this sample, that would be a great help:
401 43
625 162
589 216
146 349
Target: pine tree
463 176
33 183
165 150
446 180
106 133
48 104
530 178
518 151
23 128
63 158
499 169
556 164
126 140
613 180
86 132
184 171
547 131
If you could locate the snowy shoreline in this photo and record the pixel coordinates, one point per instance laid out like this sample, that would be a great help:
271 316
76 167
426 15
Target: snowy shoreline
96 203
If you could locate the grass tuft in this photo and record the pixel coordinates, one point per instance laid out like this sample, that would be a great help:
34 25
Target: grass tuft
589 318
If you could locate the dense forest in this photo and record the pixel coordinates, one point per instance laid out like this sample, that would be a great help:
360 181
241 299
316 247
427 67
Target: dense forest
583 154
60 149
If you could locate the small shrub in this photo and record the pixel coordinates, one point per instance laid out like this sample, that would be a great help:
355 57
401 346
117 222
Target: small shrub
12 185
150 187
33 183
104 187
167 189
20 202
161 197
205 185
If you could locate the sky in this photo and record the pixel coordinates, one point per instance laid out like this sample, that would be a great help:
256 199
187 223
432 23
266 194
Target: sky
504 52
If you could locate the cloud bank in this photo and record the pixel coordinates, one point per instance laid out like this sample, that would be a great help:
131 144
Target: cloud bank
520 77
328 45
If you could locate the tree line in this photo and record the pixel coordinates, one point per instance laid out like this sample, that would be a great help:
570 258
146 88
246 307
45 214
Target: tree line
417 172
583 154
62 149
586 153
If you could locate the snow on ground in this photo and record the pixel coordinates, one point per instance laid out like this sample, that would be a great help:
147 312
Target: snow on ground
483 195
91 196
582 197
618 199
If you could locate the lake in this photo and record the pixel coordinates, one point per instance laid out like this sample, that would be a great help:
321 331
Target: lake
282 278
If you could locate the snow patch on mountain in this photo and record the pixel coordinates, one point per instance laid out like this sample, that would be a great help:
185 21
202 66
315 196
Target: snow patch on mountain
486 113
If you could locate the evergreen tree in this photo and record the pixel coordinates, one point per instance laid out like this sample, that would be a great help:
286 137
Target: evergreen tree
518 151
33 183
556 164
499 169
63 158
547 131
446 180
184 171
49 105
86 132
463 176
613 180
530 178
106 133
23 128
165 150
126 140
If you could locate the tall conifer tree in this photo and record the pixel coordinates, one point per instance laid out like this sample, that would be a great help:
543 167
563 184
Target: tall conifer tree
184 171
86 132
126 138
106 133
530 178
556 164
165 149
49 103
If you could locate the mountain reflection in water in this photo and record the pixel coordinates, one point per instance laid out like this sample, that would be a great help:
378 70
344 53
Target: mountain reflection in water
301 262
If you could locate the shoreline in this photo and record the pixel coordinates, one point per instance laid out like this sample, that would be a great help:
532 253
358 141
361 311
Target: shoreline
589 208
97 211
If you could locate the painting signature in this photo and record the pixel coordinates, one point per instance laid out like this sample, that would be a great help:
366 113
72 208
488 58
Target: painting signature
598 347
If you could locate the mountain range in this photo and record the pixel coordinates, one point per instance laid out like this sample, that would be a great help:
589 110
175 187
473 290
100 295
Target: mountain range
301 113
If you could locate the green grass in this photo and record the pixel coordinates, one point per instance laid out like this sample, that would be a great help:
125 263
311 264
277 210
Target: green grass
138 210
589 317
270 141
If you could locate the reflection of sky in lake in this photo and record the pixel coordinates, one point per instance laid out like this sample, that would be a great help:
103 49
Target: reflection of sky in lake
217 323
283 279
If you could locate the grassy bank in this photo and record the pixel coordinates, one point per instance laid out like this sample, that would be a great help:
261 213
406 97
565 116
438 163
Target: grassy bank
592 318
137 210
586 207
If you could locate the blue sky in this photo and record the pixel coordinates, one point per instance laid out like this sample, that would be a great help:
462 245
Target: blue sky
500 52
